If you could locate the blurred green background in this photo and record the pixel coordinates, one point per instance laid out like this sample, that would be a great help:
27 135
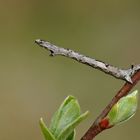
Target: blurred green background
32 84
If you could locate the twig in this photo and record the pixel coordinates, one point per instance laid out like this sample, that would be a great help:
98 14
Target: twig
95 129
107 68
122 74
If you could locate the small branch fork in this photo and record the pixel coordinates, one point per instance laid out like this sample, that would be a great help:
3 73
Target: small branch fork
95 129
131 76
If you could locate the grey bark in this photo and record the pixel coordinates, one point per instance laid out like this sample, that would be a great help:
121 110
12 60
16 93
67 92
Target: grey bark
124 74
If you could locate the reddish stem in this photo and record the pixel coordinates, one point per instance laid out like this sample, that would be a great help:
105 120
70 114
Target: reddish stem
95 129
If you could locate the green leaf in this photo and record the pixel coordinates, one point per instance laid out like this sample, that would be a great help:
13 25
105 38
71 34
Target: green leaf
64 121
46 132
58 114
124 109
67 114
68 111
71 136
65 133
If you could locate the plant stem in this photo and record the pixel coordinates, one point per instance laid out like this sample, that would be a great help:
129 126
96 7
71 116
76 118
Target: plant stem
95 129
102 66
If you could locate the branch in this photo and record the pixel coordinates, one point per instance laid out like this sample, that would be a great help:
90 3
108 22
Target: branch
95 129
131 76
102 66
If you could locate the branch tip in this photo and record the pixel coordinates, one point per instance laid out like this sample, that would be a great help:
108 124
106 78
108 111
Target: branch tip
38 41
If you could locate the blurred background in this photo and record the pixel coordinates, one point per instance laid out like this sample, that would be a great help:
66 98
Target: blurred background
33 85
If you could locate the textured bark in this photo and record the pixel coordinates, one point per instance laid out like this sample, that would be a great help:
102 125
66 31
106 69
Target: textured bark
105 67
